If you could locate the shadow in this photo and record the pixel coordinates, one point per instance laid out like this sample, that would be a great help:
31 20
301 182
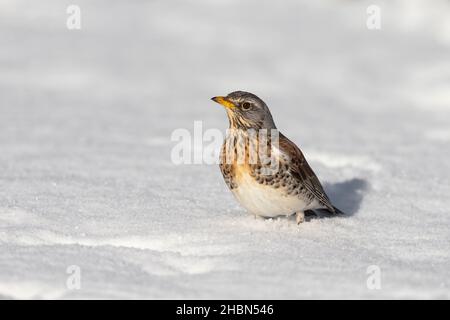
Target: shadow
347 195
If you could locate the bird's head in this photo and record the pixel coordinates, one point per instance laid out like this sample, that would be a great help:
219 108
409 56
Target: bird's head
246 111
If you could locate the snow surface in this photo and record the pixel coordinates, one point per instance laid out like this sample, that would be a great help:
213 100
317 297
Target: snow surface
86 176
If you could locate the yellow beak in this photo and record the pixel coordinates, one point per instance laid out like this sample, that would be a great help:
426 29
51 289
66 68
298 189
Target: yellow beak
224 101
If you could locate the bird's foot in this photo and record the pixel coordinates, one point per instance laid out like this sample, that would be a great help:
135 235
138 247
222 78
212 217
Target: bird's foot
300 217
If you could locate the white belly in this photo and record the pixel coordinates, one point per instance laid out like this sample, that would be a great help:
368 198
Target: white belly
266 201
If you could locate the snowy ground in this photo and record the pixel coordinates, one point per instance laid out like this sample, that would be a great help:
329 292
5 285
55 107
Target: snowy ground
86 177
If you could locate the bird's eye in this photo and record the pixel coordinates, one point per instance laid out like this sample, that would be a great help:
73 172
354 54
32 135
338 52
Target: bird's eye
246 105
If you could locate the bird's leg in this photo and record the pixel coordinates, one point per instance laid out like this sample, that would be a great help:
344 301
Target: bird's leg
300 217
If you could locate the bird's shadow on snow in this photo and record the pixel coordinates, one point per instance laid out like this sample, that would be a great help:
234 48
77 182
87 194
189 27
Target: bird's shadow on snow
348 195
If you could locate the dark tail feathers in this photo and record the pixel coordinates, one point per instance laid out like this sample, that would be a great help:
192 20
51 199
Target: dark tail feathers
337 211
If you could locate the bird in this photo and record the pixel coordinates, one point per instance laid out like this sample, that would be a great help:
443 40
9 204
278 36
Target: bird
284 186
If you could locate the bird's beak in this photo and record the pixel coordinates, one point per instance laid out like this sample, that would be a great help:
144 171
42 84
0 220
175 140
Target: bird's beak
224 101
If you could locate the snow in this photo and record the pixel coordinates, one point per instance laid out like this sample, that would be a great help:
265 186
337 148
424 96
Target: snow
87 179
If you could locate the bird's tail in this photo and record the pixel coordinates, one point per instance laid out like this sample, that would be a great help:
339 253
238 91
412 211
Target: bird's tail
337 211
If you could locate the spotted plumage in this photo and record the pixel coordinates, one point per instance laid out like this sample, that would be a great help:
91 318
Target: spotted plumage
278 180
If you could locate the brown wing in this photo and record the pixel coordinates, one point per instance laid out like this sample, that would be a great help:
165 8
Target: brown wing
300 169
228 170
